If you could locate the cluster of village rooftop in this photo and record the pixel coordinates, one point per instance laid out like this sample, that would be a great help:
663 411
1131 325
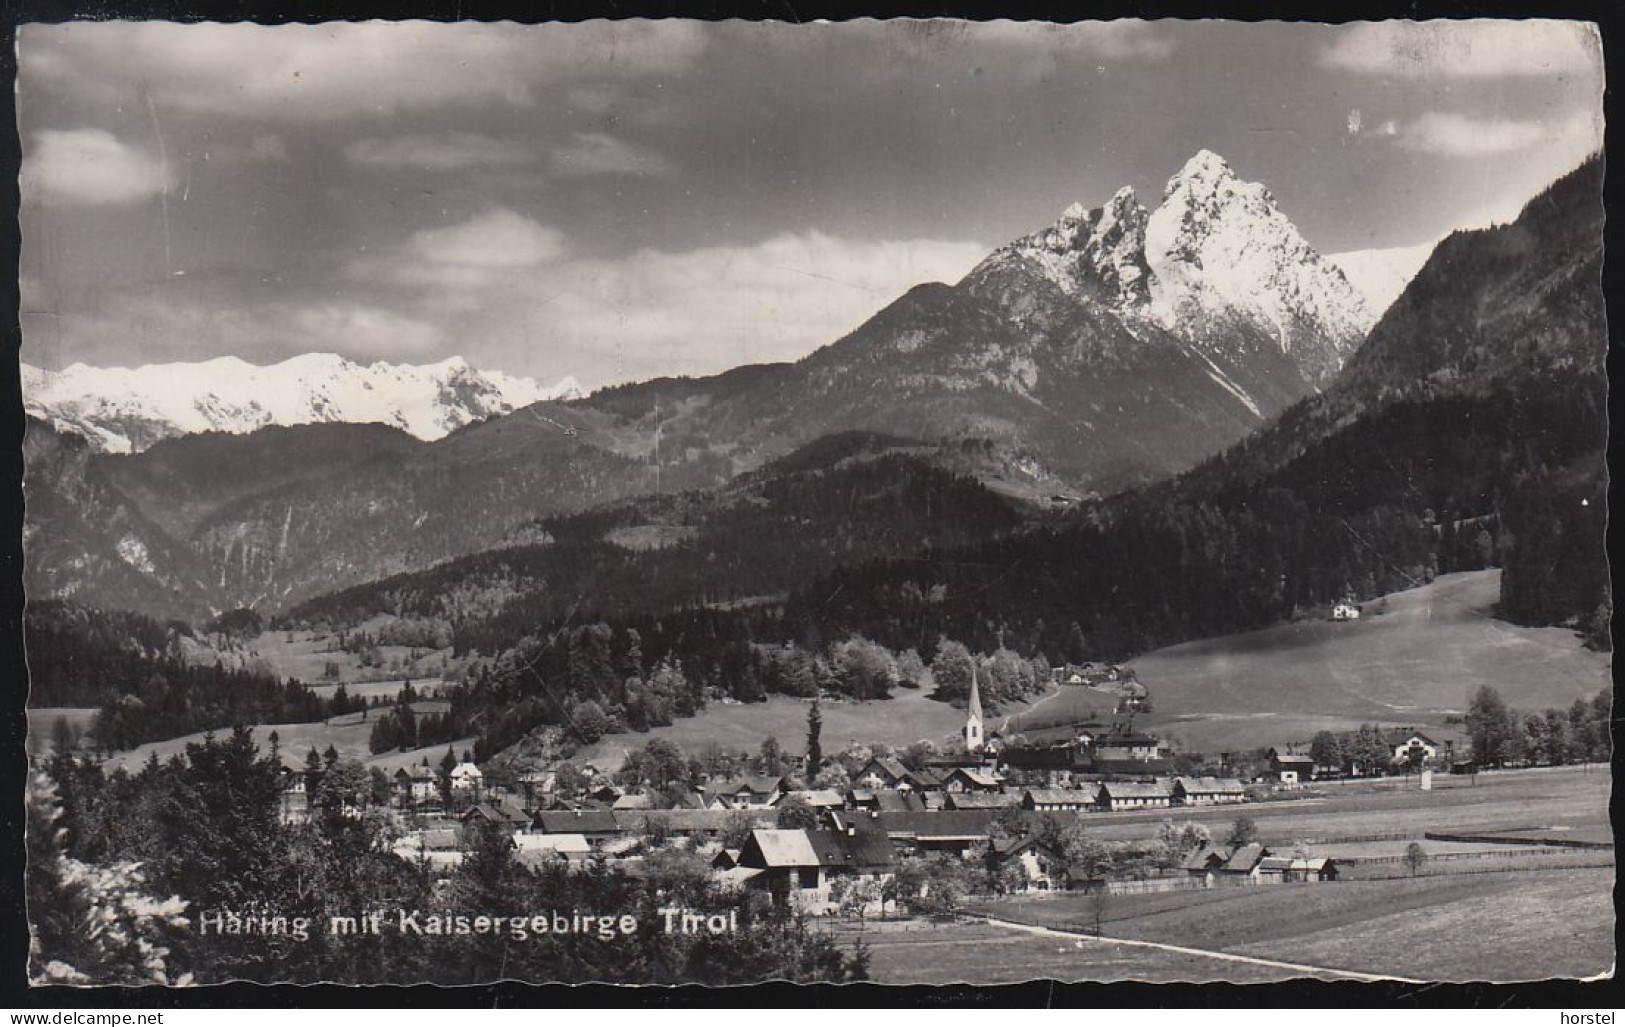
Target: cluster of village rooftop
859 835
850 842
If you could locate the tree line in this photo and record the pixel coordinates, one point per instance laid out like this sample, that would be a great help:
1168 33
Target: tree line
1501 735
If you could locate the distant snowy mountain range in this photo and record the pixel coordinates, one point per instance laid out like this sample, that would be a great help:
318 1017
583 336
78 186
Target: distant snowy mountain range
123 410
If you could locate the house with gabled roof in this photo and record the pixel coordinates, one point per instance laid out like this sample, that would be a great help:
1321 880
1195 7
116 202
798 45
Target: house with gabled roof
887 800
438 847
416 785
1057 800
1208 791
725 859
1242 865
1291 766
1121 795
1296 868
1403 742
537 849
596 825
503 812
466 778
1128 745
798 866
753 791
1205 862
889 772
1037 868
883 772
969 779
956 831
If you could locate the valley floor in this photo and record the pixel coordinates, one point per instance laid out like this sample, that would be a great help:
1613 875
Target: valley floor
1506 926
1510 916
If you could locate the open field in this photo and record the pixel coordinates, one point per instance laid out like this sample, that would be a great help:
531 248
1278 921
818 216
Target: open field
295 739
349 738
1063 704
388 689
977 953
1494 926
1415 658
304 656
904 719
389 762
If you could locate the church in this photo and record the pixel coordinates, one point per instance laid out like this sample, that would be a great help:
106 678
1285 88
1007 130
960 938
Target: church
973 716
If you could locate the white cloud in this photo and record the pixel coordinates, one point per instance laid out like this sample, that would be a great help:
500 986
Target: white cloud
1466 49
90 167
498 238
653 312
454 151
706 310
334 70
595 153
1455 135
447 265
362 330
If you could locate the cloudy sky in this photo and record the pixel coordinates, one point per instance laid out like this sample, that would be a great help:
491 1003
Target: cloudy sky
615 201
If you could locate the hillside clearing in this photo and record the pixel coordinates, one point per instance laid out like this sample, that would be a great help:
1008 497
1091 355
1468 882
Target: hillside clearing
1414 658
908 717
349 738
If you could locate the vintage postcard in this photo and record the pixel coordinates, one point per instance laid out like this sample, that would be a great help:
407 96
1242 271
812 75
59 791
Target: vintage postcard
662 502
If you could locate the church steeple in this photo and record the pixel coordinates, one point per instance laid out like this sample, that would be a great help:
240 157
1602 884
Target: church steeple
973 714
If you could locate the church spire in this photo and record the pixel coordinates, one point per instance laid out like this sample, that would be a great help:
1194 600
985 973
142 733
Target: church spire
973 714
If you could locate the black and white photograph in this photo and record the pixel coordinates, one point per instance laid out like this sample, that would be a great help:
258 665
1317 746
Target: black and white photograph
913 501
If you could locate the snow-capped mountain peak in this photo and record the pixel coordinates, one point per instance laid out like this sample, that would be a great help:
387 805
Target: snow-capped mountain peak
1217 265
1219 250
1087 252
122 409
1206 171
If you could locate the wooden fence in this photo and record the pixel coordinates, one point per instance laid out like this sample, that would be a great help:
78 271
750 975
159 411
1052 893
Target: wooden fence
1349 839
1155 884
1437 857
1588 863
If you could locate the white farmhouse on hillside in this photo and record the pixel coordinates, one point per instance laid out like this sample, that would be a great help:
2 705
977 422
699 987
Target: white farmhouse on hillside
466 777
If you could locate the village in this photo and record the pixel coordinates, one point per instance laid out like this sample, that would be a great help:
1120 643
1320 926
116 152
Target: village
1007 817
